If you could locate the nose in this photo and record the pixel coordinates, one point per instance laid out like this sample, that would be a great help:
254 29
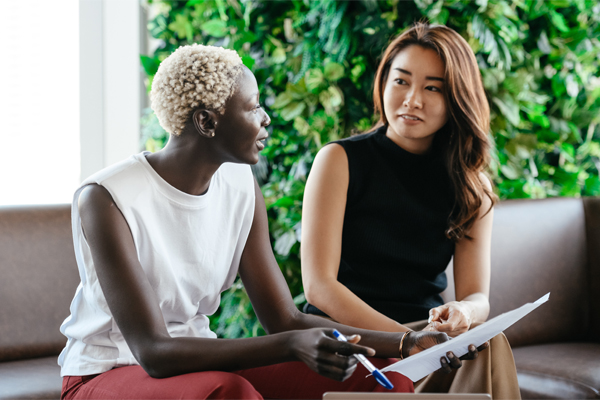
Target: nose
266 119
413 99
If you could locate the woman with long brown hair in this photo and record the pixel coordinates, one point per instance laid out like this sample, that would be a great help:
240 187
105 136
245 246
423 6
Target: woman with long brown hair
384 212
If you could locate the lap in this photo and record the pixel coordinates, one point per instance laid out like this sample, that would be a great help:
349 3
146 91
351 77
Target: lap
294 380
291 380
133 382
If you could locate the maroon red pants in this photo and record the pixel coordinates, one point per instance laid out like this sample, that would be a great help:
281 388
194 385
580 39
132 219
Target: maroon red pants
292 380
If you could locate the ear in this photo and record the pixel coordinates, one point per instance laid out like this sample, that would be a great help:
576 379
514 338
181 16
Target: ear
205 122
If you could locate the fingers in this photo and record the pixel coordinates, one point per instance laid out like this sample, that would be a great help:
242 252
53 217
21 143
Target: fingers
346 348
434 314
457 323
483 346
336 367
472 353
450 362
432 327
354 339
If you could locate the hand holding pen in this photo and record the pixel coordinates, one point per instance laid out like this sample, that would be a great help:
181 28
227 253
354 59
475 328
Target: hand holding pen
379 377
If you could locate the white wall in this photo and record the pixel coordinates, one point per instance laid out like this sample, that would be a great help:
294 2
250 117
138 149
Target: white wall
70 92
39 101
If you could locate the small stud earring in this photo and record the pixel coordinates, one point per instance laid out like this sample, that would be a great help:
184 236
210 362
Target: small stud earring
212 134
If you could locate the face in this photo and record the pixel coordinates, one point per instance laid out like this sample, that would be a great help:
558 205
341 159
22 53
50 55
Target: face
413 98
241 129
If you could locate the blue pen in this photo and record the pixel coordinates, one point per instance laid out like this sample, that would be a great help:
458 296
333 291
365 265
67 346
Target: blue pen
379 376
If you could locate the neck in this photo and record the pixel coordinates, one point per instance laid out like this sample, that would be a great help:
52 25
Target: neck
185 164
416 146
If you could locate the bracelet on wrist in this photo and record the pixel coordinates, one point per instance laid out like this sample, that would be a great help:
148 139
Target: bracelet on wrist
402 342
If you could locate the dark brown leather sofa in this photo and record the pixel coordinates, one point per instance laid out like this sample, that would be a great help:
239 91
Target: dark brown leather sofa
38 278
538 246
541 246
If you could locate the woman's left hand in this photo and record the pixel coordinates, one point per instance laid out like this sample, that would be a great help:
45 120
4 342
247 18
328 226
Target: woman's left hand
453 318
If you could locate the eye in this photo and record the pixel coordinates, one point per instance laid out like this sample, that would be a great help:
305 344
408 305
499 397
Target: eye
433 89
257 107
400 81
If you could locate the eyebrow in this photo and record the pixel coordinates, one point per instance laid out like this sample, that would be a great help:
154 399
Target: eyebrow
429 78
253 97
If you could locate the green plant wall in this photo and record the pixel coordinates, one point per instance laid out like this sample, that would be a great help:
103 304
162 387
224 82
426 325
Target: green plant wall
315 61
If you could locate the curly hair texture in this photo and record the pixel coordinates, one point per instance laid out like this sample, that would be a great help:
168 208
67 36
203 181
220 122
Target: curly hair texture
465 138
193 76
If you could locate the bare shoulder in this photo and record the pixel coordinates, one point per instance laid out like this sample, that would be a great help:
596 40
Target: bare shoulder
98 210
94 198
485 181
331 158
486 202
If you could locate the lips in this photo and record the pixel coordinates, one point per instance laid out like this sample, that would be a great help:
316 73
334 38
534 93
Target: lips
260 141
410 117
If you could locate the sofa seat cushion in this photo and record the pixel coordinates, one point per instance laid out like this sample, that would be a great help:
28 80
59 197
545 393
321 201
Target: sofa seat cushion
564 370
37 378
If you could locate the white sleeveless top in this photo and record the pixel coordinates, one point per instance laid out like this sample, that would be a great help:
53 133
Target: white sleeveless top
189 247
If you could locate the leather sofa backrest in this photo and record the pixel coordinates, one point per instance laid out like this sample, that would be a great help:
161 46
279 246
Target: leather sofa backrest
38 278
540 246
592 224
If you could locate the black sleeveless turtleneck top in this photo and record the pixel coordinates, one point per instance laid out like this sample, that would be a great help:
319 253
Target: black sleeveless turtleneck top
394 247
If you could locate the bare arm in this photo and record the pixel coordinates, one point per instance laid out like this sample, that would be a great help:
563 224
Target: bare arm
322 222
277 312
134 305
471 276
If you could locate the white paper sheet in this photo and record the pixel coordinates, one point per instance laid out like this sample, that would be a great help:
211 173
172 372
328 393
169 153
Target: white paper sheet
422 364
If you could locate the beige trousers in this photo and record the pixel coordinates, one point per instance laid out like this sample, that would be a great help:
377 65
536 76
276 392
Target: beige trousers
492 372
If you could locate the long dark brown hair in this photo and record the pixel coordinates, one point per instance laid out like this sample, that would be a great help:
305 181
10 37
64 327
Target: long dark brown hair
465 139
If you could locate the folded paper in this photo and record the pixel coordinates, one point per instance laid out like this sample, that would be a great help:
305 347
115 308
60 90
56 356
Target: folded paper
422 364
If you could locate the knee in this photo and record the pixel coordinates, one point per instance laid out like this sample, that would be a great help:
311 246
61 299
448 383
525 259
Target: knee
231 386
499 340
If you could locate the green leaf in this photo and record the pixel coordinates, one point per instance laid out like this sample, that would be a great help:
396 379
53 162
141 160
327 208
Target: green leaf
181 26
369 31
301 125
248 61
300 299
592 185
572 86
509 108
283 244
541 120
292 110
150 65
278 56
560 3
568 150
283 202
559 21
215 27
282 100
314 78
509 171
334 71
543 43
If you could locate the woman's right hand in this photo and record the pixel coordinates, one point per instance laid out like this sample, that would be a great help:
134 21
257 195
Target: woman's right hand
324 354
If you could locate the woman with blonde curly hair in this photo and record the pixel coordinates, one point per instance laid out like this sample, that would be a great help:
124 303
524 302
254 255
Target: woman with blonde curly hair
384 212
158 237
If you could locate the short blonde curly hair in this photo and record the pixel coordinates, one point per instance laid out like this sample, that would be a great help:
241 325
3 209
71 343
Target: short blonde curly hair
193 76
